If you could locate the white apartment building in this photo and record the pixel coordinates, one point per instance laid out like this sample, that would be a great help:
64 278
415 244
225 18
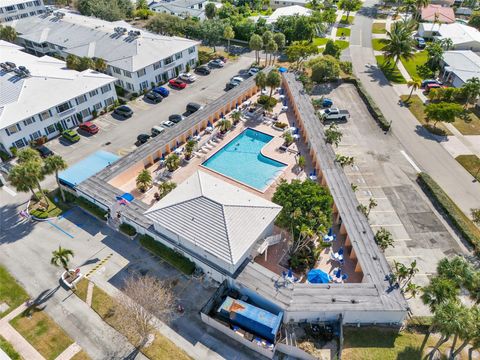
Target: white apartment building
39 93
137 58
18 9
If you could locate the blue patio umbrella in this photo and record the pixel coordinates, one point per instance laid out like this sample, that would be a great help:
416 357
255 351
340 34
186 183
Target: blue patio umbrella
290 273
317 276
128 196
330 232
209 124
178 144
338 274
282 69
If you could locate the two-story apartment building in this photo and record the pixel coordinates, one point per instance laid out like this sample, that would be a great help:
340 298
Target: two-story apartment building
18 9
137 58
39 96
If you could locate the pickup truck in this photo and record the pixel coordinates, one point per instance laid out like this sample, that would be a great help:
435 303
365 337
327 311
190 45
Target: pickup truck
334 114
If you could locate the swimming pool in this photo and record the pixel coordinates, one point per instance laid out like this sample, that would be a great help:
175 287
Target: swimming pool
241 159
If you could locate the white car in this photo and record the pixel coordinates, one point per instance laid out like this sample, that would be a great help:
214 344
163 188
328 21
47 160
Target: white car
236 79
253 71
168 123
187 77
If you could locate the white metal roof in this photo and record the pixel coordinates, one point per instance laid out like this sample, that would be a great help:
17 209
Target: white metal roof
50 84
288 11
459 33
219 217
4 3
464 63
87 36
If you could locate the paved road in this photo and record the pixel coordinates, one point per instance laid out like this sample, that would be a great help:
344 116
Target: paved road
426 151
121 135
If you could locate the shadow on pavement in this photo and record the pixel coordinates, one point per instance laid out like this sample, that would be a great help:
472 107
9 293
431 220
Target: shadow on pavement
421 131
12 226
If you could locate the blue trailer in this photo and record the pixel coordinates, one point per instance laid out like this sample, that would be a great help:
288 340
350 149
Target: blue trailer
251 318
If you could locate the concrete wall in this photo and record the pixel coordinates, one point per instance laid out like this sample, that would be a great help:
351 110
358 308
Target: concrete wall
229 332
295 352
349 317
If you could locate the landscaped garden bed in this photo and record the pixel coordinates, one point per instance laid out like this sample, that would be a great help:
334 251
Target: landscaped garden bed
43 208
379 28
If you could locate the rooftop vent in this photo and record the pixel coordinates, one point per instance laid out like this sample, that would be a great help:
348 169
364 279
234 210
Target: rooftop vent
59 14
21 71
120 30
8 66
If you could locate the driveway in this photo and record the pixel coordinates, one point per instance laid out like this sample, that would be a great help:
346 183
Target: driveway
25 249
384 172
118 135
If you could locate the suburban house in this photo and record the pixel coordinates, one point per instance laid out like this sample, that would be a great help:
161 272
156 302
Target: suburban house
460 66
288 11
463 37
182 8
29 109
438 13
18 9
275 4
137 58
215 219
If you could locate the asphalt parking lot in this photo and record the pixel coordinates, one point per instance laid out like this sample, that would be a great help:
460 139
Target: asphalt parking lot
384 171
118 135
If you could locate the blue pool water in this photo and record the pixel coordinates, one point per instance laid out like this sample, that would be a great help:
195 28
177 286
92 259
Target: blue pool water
242 160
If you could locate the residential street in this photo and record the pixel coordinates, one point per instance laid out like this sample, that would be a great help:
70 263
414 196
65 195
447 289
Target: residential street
425 150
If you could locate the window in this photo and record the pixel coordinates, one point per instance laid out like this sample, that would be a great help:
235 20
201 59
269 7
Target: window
10 8
168 60
32 13
178 56
28 121
157 65
127 73
37 3
93 93
191 62
50 129
165 76
21 6
35 135
116 70
45 115
85 113
63 107
81 99
191 50
97 106
144 85
140 73
109 101
12 129
19 143
29 4
158 78
129 86
24 15
106 88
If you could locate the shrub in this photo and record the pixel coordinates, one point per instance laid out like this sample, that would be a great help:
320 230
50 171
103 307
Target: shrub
267 101
4 156
458 219
280 125
346 67
127 229
174 258
14 151
332 49
91 207
325 68
120 91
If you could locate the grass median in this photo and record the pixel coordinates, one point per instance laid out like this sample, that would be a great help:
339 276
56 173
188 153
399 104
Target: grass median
9 350
471 163
417 108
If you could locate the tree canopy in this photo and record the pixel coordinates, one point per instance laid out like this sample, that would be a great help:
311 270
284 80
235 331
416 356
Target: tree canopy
110 10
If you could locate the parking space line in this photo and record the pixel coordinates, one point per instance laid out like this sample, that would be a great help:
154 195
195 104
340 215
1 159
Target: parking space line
409 159
8 190
59 228
96 267
386 225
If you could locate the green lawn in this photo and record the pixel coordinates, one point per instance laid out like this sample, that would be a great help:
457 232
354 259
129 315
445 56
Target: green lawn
81 355
342 44
379 28
419 58
417 108
9 350
373 343
391 71
81 289
343 20
343 32
377 44
471 163
42 333
11 292
319 41
470 124
42 210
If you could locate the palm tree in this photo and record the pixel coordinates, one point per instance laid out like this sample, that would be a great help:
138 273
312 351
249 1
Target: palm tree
22 180
100 65
236 116
61 257
189 146
280 40
228 34
165 187
224 125
410 7
414 84
446 321
52 165
28 155
471 90
261 80
144 180
273 80
271 48
256 43
8 33
172 162
420 4
399 42
72 62
33 166
439 291
267 37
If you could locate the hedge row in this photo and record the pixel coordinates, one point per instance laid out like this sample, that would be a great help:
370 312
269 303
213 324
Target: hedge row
372 107
91 207
459 220
172 257
127 229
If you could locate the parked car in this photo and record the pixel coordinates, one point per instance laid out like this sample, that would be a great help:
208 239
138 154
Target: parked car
168 123
420 42
253 71
162 91
326 103
71 135
430 81
124 111
232 83
176 118
153 97
178 84
334 114
431 86
187 77
89 127
217 63
143 138
44 151
237 79
223 59
156 130
193 107
203 70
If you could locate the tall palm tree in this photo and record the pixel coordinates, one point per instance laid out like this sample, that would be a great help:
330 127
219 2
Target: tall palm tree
22 179
8 33
256 43
33 166
228 34
52 165
410 7
261 80
267 37
439 291
399 42
144 180
271 48
172 162
100 65
273 80
445 320
414 84
468 331
471 90
224 125
61 257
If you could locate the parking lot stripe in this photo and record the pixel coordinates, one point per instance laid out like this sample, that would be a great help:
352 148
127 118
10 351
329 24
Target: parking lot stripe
59 228
96 267
410 161
8 190
386 225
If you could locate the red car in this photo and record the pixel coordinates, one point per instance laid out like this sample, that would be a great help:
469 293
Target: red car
89 127
429 87
178 84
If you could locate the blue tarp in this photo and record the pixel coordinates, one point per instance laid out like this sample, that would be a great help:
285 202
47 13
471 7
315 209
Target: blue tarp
251 318
317 276
87 167
282 69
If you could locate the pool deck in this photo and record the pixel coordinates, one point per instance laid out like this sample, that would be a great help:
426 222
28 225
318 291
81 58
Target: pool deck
271 150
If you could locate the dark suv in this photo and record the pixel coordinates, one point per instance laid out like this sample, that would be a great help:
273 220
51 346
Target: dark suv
44 151
176 118
124 111
203 70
